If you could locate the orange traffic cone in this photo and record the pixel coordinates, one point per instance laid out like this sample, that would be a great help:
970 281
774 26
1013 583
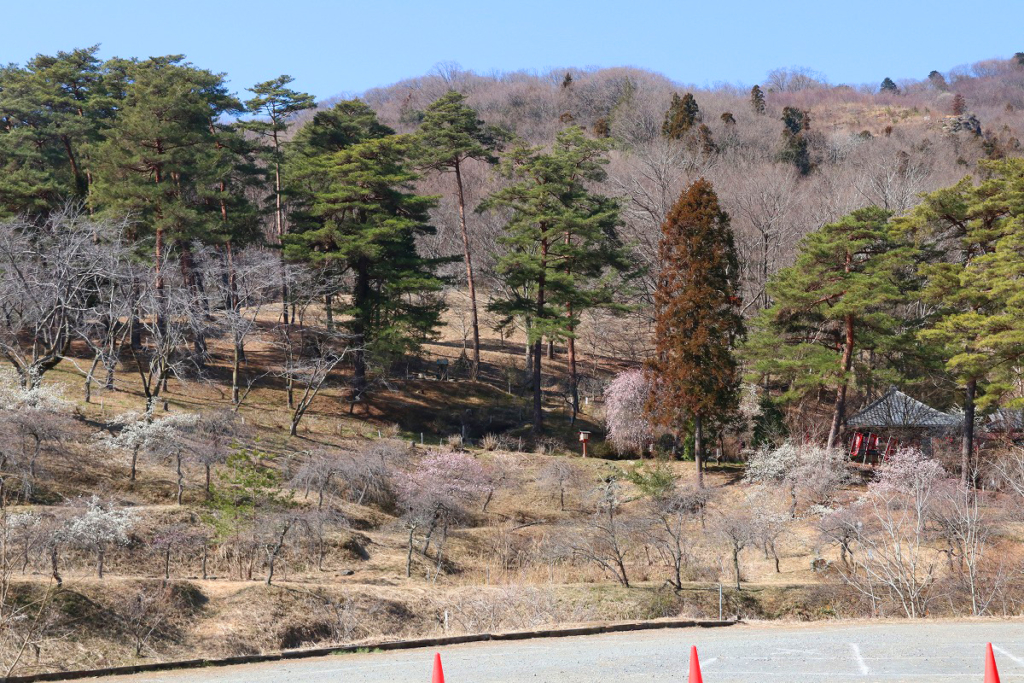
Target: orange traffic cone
695 667
438 676
991 672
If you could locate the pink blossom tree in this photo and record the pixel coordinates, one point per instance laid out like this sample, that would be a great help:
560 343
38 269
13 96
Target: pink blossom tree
628 427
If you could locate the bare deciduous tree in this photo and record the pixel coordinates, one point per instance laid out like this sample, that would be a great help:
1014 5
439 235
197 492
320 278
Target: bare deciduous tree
736 528
669 526
309 358
142 613
47 274
607 535
562 477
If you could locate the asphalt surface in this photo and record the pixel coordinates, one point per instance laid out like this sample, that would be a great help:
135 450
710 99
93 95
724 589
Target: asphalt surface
893 652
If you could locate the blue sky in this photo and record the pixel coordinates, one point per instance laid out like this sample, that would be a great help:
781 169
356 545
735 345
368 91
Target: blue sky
347 47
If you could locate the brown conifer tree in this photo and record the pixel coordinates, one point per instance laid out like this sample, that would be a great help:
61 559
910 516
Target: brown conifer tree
697 318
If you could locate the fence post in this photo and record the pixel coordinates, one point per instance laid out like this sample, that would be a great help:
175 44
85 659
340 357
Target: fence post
719 600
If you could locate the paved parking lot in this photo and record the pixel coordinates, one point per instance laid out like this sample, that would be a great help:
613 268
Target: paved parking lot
858 652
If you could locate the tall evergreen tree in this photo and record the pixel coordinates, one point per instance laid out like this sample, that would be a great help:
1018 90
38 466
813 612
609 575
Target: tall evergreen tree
682 115
354 212
938 81
959 105
838 298
276 104
697 318
757 100
889 86
155 160
796 150
560 245
50 114
450 135
972 285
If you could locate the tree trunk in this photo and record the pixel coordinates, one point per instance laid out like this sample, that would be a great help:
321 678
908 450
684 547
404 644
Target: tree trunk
574 380
158 252
469 273
698 449
538 409
538 346
279 227
181 478
736 565
88 378
360 323
236 362
967 474
272 555
408 555
838 413
54 562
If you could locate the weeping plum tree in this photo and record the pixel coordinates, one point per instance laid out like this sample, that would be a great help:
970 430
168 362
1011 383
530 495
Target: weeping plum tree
625 399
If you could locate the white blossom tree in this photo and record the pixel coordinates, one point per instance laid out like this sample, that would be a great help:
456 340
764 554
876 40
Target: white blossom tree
97 527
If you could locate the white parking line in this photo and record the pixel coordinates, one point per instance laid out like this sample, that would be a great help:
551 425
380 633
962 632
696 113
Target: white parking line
1018 660
709 662
864 670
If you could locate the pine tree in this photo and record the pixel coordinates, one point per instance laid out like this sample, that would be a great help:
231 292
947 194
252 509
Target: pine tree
889 86
156 160
50 114
354 212
682 115
560 245
277 105
769 424
839 297
757 100
972 285
450 135
697 317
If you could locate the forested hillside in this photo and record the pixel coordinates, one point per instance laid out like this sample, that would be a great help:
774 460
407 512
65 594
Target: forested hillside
283 370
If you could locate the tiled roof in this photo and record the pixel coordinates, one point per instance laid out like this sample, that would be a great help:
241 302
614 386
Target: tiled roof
896 409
